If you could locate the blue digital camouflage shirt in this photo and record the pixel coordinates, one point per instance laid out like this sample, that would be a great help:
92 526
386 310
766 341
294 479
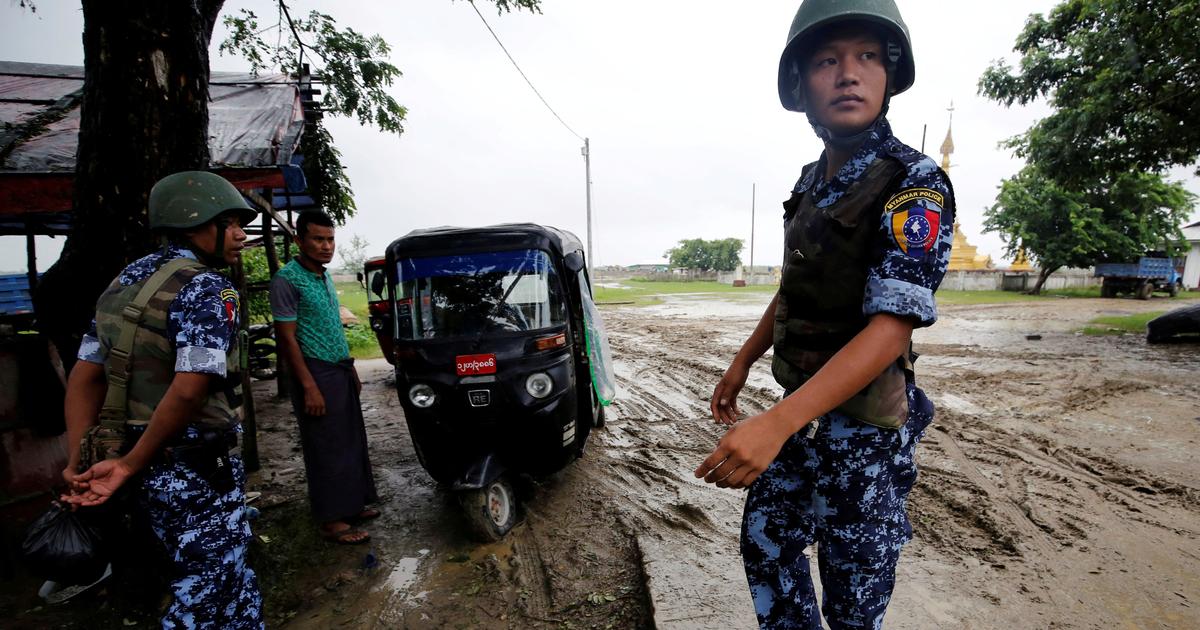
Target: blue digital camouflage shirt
200 319
915 230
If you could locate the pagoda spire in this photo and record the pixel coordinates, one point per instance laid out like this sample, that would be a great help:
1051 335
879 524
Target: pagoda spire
948 143
963 255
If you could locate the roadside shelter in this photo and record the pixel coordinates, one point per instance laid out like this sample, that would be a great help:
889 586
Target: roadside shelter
255 126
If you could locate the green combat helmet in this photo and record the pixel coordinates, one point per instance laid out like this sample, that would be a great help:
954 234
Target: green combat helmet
191 198
814 15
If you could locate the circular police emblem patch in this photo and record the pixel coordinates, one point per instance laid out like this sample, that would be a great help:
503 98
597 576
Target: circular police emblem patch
916 229
913 217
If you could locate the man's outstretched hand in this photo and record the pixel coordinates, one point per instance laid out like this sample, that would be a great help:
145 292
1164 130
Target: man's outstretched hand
98 483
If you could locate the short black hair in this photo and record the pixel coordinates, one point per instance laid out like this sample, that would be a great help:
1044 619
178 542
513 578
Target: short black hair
311 217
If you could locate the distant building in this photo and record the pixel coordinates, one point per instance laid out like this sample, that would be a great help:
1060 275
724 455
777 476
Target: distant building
1191 268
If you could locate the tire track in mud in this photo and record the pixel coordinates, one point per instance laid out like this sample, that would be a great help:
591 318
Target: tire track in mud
1041 491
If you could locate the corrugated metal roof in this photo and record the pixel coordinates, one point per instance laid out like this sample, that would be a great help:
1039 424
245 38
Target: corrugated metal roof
253 121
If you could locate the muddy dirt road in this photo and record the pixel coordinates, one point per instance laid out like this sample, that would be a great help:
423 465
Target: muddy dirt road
1058 489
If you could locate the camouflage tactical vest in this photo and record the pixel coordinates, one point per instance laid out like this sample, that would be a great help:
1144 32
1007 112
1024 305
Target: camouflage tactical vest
151 359
820 307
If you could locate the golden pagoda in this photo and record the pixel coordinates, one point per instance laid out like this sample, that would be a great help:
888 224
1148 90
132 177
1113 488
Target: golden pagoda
963 255
1021 262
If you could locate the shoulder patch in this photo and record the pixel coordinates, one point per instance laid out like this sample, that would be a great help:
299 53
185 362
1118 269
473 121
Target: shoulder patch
913 217
229 298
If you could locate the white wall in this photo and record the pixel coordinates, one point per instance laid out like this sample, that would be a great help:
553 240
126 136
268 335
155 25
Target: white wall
1191 268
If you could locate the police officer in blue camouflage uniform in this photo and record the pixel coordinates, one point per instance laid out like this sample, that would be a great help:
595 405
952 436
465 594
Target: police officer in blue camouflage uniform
155 401
867 229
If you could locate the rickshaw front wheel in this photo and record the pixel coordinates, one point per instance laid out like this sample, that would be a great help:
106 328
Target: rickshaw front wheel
491 510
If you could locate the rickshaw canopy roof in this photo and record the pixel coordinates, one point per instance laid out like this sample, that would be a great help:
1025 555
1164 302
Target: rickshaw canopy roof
447 239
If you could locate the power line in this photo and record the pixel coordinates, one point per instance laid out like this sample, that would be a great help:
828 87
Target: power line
527 81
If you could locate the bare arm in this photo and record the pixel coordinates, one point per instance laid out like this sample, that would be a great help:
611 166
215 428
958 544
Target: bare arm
289 348
724 398
187 393
86 387
747 449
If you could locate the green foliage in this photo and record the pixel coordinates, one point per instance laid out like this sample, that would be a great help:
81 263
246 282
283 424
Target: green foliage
355 70
354 297
254 263
326 177
697 253
1122 76
1116 222
505 6
362 341
355 73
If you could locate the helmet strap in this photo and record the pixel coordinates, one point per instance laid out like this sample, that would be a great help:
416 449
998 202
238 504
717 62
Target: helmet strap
217 257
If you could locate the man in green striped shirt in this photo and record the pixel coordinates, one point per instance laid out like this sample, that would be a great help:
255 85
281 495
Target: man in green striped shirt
325 385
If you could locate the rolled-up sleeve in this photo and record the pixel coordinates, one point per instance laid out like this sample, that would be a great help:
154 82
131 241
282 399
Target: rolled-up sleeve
204 319
916 231
90 349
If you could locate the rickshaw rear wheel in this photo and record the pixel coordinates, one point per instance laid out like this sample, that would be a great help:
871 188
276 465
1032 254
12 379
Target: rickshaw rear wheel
491 510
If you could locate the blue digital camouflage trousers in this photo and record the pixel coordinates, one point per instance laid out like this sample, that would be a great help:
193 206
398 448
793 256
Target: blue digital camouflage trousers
205 534
843 489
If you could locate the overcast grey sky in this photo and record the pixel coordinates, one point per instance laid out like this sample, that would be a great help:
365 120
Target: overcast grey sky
677 96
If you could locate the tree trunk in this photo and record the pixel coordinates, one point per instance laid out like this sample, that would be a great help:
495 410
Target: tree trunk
144 116
1043 275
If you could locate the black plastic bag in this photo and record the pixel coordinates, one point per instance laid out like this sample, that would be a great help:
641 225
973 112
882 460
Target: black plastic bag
65 547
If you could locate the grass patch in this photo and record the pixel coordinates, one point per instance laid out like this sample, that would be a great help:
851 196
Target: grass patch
1120 324
984 297
646 292
353 296
361 338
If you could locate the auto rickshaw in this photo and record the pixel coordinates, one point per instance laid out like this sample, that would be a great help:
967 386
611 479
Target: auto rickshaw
374 279
502 363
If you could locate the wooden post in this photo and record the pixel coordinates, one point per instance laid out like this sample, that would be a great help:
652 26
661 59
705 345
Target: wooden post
249 423
31 258
282 381
287 244
269 240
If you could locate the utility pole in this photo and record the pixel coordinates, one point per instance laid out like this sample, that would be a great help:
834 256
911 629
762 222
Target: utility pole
924 128
587 170
753 190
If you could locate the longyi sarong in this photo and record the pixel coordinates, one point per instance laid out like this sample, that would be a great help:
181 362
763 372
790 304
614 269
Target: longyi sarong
340 483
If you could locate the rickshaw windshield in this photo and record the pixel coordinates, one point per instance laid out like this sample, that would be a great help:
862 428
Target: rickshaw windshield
473 294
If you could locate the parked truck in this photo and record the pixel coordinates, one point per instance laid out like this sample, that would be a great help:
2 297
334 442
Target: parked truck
1141 279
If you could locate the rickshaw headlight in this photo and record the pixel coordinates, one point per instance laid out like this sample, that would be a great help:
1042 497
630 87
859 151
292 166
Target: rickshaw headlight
539 385
421 396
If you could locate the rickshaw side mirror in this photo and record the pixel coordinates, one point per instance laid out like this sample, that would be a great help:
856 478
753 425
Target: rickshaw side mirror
573 261
360 280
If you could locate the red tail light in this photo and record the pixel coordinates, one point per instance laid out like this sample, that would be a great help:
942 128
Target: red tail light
378 308
550 343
